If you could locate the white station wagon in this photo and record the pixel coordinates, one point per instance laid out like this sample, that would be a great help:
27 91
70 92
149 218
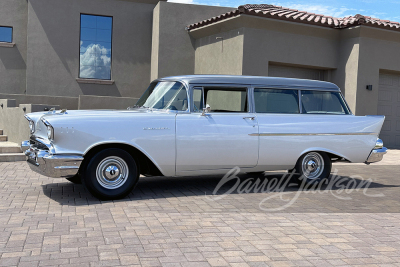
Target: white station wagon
204 124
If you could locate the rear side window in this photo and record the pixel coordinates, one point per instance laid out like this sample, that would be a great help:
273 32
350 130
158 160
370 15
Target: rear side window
276 101
317 102
226 99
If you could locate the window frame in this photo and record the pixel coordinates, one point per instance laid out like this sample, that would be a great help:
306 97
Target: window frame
188 94
299 106
325 91
80 39
12 34
248 88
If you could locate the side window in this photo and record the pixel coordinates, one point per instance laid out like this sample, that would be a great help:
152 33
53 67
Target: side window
226 99
6 34
276 101
197 99
318 102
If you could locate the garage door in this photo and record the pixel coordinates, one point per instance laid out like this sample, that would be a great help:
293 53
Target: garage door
389 105
296 72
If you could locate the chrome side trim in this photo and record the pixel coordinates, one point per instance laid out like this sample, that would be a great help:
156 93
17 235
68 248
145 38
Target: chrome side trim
309 134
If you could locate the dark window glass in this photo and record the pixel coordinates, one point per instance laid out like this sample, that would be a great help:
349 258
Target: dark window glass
198 99
6 34
226 99
276 101
317 102
95 47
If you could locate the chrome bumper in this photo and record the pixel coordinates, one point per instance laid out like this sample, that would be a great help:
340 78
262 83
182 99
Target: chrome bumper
51 165
376 155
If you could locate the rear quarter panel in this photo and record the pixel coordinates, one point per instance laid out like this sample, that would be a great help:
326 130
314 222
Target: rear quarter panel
286 137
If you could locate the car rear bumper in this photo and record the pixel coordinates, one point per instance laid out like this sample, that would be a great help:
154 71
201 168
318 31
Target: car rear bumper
48 164
376 155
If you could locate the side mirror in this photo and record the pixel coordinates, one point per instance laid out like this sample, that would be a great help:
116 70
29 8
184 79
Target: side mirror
207 109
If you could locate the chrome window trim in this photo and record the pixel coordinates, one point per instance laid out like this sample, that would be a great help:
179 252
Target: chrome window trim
192 88
238 86
187 95
300 103
341 96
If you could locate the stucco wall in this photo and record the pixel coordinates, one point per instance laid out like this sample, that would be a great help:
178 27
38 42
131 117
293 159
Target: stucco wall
53 47
268 40
173 53
354 56
12 120
220 53
13 59
379 50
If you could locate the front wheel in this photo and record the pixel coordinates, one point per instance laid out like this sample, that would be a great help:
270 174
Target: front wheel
111 174
313 167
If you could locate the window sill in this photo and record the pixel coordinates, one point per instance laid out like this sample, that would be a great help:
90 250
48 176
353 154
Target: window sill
95 81
3 44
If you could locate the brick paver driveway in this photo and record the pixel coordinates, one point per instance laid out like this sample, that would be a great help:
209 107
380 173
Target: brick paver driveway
179 222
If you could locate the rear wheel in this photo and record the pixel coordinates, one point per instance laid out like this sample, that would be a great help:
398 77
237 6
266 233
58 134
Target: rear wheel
313 167
111 174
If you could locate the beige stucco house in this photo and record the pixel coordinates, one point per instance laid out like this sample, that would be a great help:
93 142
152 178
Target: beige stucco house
103 53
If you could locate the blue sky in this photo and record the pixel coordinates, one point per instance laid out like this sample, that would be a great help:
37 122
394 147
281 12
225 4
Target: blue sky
389 9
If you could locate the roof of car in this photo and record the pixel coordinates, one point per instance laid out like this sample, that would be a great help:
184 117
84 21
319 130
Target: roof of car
254 80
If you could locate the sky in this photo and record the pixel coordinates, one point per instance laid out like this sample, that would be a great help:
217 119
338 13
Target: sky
388 10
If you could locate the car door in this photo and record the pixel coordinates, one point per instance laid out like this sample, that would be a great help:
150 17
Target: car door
220 139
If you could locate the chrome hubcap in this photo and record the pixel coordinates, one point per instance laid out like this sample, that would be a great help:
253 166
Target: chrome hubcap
112 172
312 165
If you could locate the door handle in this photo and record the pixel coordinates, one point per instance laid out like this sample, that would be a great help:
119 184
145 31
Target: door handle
250 118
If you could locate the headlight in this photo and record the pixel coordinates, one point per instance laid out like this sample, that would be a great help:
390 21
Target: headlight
50 132
32 126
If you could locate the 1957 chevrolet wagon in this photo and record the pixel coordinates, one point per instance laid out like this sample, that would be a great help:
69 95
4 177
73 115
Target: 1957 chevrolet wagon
197 125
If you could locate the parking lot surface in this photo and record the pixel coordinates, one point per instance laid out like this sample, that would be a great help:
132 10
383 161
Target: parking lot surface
191 222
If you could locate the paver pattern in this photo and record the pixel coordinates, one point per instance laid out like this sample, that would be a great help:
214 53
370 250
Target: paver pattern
179 222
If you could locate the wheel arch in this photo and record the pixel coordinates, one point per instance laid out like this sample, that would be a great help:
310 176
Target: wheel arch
147 166
331 154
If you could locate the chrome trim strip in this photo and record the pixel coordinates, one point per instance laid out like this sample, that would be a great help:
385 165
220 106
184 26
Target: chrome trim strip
309 134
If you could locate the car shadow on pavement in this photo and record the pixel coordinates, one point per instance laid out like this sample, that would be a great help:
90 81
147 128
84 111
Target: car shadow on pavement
67 193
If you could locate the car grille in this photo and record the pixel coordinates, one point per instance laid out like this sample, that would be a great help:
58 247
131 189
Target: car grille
38 144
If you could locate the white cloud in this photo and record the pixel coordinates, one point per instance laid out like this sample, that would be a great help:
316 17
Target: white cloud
182 1
337 12
95 62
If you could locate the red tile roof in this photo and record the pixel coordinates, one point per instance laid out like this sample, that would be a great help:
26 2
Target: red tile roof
287 14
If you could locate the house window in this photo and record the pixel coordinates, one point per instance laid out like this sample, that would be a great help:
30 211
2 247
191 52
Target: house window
95 47
6 34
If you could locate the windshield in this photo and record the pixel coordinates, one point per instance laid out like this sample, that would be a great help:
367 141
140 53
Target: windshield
165 95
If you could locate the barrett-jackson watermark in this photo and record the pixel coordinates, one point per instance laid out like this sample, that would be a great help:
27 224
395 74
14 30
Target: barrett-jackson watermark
338 186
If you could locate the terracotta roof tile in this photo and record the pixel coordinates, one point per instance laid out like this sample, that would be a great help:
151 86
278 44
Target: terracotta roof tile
288 14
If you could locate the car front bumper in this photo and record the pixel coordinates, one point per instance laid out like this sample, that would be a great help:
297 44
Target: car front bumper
44 162
376 155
